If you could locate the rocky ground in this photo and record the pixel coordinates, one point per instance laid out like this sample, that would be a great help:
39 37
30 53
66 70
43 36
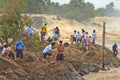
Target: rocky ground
77 62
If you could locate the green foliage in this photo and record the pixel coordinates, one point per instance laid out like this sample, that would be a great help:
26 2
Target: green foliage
76 9
26 20
11 21
36 41
109 9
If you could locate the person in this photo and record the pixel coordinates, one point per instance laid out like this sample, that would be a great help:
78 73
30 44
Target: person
71 39
74 36
55 36
19 46
11 55
60 49
43 32
83 32
47 51
114 48
78 37
93 36
29 32
82 36
5 52
88 42
49 39
57 31
85 37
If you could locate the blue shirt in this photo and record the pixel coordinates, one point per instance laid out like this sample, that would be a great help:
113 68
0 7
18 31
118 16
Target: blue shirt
114 47
30 30
19 45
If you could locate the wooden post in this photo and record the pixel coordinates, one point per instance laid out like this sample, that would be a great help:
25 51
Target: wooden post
103 46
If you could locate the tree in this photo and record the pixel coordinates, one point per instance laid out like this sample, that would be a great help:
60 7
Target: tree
11 21
109 11
100 12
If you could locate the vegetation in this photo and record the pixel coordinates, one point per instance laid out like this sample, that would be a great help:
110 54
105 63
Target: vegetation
36 41
11 21
76 9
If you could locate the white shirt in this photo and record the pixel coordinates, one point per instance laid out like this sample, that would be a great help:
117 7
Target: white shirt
74 35
48 48
78 36
85 36
94 35
3 51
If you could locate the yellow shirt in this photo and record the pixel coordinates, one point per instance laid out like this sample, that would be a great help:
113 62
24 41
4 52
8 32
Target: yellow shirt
44 29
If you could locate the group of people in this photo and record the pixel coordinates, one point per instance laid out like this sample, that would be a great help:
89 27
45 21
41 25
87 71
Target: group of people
47 52
7 51
43 32
52 41
76 37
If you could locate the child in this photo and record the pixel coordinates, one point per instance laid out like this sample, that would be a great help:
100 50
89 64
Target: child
74 36
78 37
71 39
11 55
88 42
5 51
60 49
49 40
93 36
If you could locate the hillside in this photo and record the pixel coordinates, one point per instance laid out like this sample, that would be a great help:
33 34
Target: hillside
77 62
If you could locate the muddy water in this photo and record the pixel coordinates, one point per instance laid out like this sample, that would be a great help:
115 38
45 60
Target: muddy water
112 74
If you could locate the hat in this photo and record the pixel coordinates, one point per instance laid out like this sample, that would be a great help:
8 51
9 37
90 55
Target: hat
21 41
48 36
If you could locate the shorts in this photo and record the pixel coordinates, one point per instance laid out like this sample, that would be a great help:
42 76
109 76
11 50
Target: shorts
30 34
60 57
55 36
74 39
45 55
19 53
78 39
43 34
